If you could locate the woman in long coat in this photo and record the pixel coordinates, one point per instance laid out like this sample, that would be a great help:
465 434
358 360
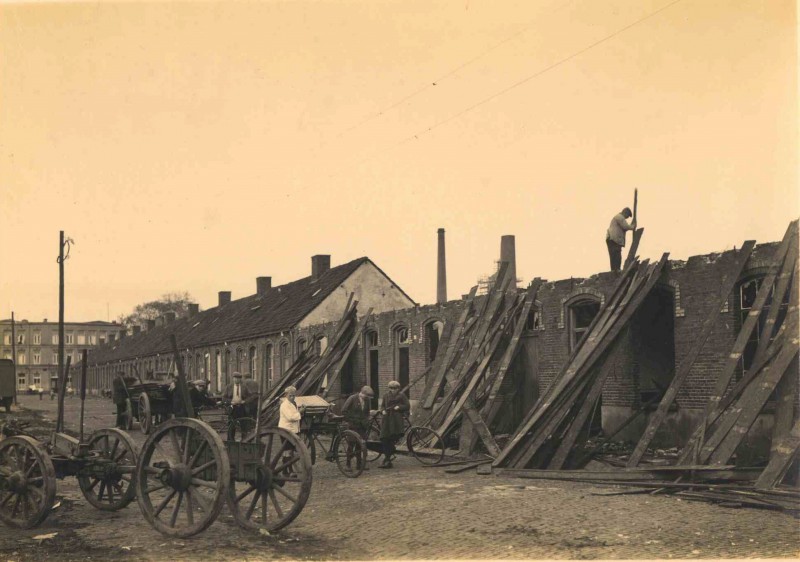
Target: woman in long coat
395 404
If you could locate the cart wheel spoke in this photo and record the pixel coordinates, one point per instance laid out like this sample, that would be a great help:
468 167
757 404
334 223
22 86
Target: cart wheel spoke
275 503
115 491
189 508
164 503
292 461
246 493
204 483
9 495
202 447
174 518
102 489
199 500
253 504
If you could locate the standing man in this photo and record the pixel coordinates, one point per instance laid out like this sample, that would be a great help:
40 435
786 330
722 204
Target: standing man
615 237
395 404
251 402
119 395
237 394
356 413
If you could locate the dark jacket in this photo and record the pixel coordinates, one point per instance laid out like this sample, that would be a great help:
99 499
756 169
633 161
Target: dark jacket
249 397
392 425
355 414
119 391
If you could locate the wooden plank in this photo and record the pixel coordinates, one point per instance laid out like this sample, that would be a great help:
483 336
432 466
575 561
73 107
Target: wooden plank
748 377
438 375
546 396
782 455
635 239
622 314
752 403
729 277
481 429
780 290
346 355
568 441
742 392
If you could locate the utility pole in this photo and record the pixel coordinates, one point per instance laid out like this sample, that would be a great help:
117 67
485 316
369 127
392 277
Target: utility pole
61 306
14 353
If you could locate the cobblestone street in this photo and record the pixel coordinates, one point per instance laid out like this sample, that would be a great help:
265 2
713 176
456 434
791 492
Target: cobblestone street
416 512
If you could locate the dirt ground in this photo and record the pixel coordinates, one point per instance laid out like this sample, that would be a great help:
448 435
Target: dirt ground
411 512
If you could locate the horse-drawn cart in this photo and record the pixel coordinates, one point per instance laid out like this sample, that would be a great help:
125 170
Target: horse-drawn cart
150 401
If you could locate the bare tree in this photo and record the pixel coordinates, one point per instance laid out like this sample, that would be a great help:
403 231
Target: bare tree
169 302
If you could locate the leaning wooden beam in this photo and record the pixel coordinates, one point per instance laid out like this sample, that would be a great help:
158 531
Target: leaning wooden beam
729 278
353 341
622 314
455 336
783 454
637 236
568 441
751 404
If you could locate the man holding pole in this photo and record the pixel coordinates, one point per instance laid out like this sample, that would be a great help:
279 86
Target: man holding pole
615 236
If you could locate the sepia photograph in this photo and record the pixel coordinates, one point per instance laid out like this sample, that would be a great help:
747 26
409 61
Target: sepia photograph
399 280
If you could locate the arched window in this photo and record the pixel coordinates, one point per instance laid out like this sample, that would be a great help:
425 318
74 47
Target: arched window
582 311
286 357
301 345
268 363
218 371
239 360
433 334
372 356
227 367
401 340
745 299
320 345
252 356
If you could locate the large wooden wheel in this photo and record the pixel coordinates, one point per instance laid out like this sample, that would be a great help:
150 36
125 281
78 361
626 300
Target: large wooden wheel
308 440
27 482
145 414
425 444
270 495
350 453
107 479
182 477
374 435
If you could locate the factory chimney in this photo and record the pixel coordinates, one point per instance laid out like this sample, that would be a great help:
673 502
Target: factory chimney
441 272
508 254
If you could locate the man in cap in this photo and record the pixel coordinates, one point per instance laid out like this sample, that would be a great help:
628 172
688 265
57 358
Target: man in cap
395 404
615 236
356 413
198 393
237 394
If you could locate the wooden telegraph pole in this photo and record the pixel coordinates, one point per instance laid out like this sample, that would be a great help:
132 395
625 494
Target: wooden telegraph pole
14 353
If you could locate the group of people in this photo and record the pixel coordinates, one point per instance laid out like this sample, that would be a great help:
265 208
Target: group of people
357 414
241 394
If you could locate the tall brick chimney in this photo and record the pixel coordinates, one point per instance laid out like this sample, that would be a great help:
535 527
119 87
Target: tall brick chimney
194 308
224 297
169 317
263 284
441 271
150 325
508 254
319 265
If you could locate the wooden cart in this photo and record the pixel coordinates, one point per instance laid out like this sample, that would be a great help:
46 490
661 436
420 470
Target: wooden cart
150 401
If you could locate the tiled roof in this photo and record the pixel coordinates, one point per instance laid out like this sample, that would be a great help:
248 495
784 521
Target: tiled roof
280 309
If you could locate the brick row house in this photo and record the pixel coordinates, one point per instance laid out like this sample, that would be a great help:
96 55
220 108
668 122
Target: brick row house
263 333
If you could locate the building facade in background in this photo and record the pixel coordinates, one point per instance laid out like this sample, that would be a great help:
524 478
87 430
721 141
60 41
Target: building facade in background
37 347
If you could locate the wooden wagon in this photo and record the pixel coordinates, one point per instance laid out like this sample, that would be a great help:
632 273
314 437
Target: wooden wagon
149 401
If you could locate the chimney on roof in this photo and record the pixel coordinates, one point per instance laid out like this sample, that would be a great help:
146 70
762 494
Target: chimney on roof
169 317
263 284
45 320
150 325
441 272
319 265
194 308
508 254
224 297
159 321
136 329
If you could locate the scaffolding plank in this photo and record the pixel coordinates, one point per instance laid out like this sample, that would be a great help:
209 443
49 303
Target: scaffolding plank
781 457
345 356
637 236
730 274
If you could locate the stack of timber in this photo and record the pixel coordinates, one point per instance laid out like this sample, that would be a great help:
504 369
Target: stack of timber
308 372
707 468
548 433
471 363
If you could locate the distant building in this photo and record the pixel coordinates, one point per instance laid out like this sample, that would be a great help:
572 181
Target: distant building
37 346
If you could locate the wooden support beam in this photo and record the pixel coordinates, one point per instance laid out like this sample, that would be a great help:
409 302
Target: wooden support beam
635 239
352 343
606 367
783 454
730 275
455 337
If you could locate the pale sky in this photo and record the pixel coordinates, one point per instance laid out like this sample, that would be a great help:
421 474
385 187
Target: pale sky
195 146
